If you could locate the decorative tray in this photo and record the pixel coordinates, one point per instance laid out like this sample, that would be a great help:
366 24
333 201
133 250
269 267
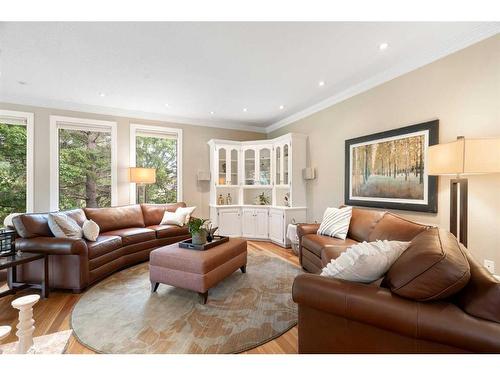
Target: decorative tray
187 244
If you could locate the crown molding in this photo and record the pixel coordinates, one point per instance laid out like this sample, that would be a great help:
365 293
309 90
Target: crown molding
480 33
136 115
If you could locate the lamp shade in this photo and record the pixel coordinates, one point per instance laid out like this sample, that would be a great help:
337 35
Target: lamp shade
142 175
465 156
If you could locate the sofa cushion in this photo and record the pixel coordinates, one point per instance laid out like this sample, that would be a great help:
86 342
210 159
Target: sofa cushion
433 267
363 222
315 243
32 225
165 231
481 296
335 222
103 245
394 228
112 218
63 226
132 236
153 213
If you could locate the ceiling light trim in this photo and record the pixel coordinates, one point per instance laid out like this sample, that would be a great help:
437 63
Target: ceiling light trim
480 33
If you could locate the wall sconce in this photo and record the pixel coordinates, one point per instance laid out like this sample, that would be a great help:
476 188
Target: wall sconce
309 173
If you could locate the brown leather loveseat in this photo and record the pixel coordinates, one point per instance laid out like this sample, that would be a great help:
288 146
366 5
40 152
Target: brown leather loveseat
434 299
127 235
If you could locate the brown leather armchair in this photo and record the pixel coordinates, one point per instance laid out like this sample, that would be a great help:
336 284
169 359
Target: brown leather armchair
435 299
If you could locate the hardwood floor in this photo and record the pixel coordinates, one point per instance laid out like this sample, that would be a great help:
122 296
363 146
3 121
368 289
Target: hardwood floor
53 314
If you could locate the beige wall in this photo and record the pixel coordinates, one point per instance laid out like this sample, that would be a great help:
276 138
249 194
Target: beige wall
195 154
461 90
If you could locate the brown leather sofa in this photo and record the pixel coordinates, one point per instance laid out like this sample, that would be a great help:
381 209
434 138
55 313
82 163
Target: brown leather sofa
435 298
127 235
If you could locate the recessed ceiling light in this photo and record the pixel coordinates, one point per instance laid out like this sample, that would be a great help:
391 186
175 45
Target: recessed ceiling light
101 94
383 46
212 112
166 105
282 106
321 83
245 109
21 82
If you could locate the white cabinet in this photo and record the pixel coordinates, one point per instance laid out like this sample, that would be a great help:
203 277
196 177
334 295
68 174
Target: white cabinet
254 223
252 172
276 225
229 222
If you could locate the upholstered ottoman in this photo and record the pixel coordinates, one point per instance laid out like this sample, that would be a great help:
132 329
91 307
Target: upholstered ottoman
196 270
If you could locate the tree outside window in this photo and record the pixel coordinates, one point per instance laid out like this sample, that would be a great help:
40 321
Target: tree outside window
84 169
13 141
160 153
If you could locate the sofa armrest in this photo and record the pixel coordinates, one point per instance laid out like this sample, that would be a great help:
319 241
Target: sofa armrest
303 229
438 321
52 246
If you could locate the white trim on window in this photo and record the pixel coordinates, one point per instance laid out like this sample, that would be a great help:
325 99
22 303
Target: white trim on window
161 131
26 119
63 122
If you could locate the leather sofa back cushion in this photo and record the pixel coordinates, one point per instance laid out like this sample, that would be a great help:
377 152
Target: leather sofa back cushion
395 228
362 223
153 213
112 218
34 225
432 268
481 296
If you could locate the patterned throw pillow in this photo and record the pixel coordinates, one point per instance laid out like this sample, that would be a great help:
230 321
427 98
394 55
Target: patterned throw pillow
173 218
63 226
188 211
335 222
365 262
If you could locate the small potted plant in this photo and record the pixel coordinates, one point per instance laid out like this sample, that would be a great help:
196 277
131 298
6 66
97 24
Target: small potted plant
198 232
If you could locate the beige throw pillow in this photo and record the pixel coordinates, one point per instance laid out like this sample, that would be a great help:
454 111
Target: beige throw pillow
63 226
173 218
187 211
365 262
90 230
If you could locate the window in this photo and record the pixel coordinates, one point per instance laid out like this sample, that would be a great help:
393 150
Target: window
83 163
16 162
160 148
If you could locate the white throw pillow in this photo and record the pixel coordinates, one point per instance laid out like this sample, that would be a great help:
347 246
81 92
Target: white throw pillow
7 222
63 226
90 230
365 262
335 222
173 218
187 211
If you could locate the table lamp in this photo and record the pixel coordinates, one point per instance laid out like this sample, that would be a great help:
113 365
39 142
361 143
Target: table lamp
460 158
142 177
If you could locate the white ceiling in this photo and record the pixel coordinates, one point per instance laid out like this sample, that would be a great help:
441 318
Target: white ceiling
198 68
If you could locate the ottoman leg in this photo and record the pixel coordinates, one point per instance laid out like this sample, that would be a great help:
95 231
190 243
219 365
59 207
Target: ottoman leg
204 297
154 286
243 269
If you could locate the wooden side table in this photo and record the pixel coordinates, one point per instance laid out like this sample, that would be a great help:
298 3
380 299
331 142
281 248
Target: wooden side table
12 261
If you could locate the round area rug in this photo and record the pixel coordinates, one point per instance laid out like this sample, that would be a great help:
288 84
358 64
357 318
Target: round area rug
121 315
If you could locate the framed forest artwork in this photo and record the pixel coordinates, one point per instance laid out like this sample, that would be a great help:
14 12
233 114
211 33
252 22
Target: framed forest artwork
389 169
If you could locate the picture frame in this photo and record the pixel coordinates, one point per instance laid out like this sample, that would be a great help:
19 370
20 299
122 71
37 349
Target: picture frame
389 169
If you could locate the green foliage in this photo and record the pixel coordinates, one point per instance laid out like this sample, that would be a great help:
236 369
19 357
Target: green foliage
84 169
161 154
195 225
12 169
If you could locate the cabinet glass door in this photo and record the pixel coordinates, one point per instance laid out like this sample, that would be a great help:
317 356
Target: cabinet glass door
286 180
233 178
277 166
222 167
249 166
265 166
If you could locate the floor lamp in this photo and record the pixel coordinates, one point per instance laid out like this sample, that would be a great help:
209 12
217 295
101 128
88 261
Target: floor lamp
142 177
460 158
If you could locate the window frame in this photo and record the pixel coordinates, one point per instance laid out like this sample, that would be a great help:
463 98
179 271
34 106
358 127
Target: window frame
137 128
12 118
77 123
